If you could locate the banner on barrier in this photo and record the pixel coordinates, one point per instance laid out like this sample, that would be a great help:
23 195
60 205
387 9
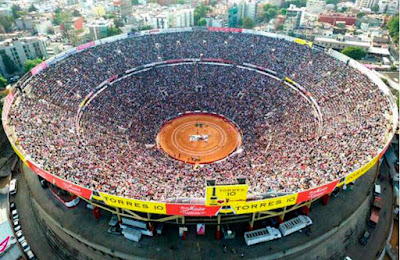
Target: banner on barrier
222 29
192 210
316 192
135 205
357 173
62 184
7 106
20 155
226 194
38 68
264 205
303 42
86 45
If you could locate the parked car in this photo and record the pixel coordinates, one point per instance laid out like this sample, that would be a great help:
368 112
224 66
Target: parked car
14 214
364 239
30 255
19 234
21 239
16 222
13 186
12 205
17 228
25 246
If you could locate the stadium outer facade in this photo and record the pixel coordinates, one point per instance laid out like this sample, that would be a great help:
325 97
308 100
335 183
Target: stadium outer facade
249 209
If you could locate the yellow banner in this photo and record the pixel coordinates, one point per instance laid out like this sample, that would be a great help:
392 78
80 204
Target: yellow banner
359 172
264 205
289 80
303 42
18 152
226 194
135 205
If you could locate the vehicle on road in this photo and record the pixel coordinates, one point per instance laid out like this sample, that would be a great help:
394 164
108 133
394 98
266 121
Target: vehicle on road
13 186
364 239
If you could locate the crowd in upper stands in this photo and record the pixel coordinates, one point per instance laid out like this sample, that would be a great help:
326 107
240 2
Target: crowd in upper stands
289 144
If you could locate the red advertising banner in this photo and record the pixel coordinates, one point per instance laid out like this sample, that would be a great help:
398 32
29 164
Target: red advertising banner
220 29
86 45
38 68
62 184
316 192
192 210
7 105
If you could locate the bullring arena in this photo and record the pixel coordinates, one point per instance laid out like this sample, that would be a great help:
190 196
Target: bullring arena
149 122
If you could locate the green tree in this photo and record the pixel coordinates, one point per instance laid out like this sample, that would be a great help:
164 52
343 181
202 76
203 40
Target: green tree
356 53
360 15
135 2
30 64
113 31
248 23
7 23
270 11
118 23
375 8
200 12
32 8
393 28
76 13
15 9
146 27
202 22
3 82
180 2
8 63
282 11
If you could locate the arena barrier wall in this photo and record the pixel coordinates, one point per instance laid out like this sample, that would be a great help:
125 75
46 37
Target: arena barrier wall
185 209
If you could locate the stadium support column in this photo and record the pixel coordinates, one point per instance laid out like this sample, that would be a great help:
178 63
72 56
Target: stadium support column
151 227
306 208
281 217
218 235
251 223
325 199
184 231
118 215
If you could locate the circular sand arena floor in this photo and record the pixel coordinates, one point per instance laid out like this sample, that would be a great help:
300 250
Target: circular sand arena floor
199 138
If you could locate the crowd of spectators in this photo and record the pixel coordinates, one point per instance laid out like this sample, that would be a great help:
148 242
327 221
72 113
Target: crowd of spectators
286 146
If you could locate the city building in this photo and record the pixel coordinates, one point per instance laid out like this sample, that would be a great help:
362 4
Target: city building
333 18
294 17
365 3
388 6
99 28
233 18
315 6
122 9
21 49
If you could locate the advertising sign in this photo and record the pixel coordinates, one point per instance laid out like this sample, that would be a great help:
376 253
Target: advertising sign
39 68
192 210
264 205
226 194
20 155
86 45
303 42
219 29
7 105
357 173
62 184
135 205
316 192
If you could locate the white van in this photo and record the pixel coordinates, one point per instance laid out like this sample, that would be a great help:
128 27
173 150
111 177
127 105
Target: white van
377 190
13 186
